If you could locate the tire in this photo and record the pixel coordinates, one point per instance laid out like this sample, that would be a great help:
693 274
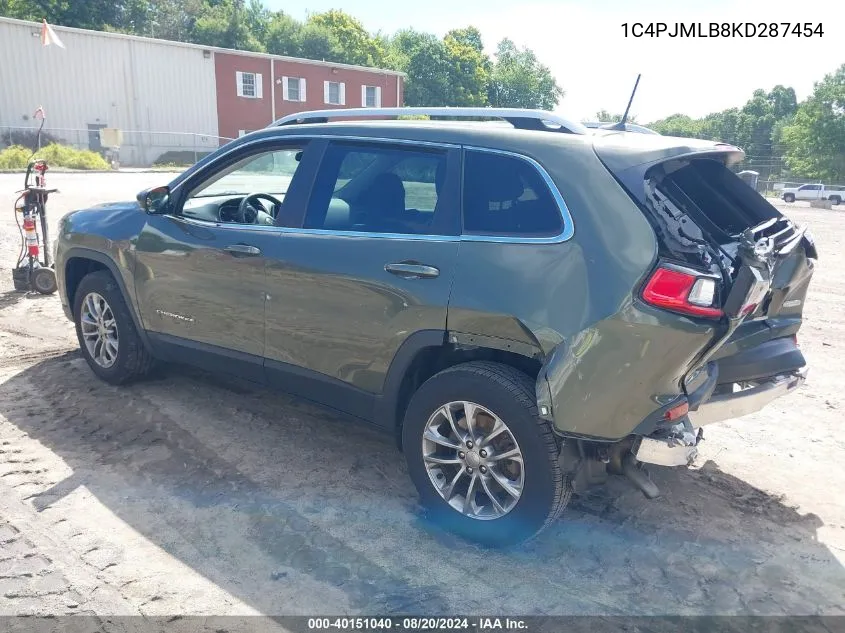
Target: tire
44 280
789 198
509 394
835 200
132 360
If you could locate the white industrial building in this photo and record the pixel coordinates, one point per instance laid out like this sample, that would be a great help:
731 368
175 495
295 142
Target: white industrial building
108 80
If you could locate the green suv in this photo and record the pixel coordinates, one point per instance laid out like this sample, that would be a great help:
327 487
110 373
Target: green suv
526 306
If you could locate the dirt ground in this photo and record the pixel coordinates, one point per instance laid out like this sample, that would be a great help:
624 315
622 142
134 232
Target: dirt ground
188 495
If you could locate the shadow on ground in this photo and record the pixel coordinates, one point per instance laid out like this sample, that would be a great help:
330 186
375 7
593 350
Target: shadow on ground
294 510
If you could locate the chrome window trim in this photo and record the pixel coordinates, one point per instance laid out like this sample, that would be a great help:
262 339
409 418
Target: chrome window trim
568 224
416 237
325 232
222 225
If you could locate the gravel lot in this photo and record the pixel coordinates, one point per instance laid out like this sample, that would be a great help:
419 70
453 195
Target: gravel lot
187 494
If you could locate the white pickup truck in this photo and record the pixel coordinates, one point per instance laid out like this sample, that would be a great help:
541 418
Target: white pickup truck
813 192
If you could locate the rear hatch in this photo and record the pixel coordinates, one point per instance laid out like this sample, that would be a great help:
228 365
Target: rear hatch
707 219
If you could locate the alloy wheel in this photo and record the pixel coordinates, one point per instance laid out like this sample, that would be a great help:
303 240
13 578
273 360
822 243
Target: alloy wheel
473 460
99 330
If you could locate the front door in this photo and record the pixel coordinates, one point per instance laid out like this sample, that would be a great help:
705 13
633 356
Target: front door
200 271
372 264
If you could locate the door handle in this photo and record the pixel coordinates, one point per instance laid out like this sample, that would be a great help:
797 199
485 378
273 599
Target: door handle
408 270
242 250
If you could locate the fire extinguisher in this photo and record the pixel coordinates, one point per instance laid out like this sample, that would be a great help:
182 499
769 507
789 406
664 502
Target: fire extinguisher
34 270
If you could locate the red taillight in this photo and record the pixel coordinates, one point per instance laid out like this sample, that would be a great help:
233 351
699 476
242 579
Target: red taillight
677 412
671 289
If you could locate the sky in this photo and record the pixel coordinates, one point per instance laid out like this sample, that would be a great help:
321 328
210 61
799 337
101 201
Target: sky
583 44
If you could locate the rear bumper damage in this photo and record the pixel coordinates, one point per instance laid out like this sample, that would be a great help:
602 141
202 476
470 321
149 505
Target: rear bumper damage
677 445
746 398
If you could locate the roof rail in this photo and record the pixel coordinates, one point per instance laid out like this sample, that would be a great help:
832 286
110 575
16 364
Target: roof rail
522 119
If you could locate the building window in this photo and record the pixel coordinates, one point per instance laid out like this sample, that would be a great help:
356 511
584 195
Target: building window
293 88
371 96
243 133
334 92
249 85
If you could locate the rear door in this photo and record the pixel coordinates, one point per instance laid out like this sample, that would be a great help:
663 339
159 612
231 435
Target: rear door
370 264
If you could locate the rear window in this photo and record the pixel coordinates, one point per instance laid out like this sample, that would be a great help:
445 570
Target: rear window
507 196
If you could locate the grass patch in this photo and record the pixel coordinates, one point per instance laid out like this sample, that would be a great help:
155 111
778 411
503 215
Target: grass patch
17 157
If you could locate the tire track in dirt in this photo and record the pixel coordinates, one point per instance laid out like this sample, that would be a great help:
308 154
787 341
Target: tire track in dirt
117 431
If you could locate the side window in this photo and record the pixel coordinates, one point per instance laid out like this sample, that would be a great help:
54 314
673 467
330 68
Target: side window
250 191
375 189
505 195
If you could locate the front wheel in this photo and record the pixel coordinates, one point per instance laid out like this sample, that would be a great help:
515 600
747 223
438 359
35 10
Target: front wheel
484 464
789 198
106 332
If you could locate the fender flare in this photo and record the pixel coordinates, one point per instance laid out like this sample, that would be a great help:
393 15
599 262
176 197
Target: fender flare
384 409
79 252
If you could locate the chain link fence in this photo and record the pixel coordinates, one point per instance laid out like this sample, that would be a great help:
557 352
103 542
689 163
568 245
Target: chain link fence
140 148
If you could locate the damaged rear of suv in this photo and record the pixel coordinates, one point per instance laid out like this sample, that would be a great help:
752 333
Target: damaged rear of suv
527 310
727 289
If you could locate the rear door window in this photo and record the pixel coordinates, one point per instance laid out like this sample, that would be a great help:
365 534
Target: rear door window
381 189
506 196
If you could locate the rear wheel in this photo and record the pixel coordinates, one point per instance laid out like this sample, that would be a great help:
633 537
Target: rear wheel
836 199
789 197
485 466
106 332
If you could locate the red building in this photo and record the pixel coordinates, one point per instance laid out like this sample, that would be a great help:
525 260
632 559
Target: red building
255 89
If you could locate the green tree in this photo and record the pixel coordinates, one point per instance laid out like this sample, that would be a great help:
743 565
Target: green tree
85 14
470 36
468 68
284 35
678 125
604 116
166 19
519 80
318 42
426 61
815 139
356 45
226 24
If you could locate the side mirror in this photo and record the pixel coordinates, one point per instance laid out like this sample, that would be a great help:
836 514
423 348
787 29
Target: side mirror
154 200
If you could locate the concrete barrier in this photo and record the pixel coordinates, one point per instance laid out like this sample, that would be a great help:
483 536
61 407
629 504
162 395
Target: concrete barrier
821 204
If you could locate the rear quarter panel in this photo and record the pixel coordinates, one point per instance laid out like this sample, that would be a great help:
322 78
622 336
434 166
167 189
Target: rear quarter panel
609 360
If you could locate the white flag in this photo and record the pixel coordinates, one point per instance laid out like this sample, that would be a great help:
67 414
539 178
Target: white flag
48 36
